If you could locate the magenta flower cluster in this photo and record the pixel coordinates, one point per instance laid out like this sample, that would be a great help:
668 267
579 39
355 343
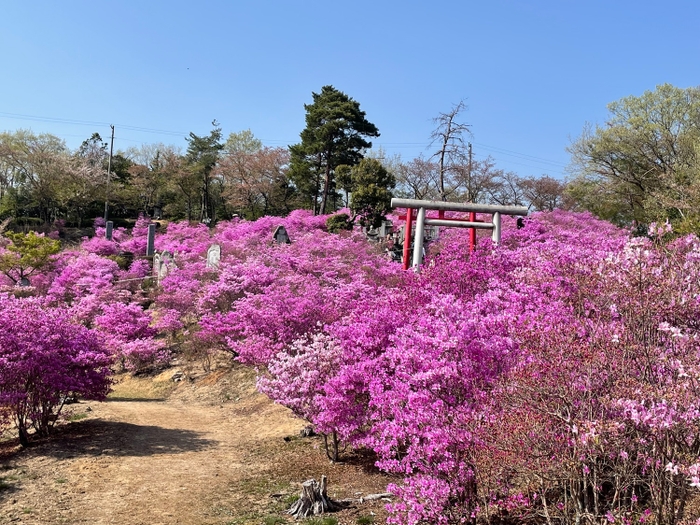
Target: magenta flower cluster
551 379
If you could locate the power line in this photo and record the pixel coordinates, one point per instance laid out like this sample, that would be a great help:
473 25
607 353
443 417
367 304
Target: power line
389 145
541 168
76 122
521 155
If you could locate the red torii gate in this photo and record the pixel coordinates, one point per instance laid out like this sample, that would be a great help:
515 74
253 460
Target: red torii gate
441 207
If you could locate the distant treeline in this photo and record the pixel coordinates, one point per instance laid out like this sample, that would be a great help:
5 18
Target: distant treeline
641 166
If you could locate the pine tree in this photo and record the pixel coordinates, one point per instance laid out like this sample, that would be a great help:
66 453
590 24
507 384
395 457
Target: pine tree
334 135
202 155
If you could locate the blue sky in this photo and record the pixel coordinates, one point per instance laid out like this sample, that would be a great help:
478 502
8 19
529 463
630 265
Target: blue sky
531 73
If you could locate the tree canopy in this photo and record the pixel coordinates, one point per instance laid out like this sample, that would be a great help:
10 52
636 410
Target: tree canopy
201 157
26 253
335 134
642 165
370 185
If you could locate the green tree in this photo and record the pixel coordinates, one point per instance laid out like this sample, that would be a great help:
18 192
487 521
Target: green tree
26 253
243 142
201 157
369 184
643 164
147 181
34 168
335 134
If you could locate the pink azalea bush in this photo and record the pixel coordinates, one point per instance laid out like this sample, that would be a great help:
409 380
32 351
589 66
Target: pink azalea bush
44 358
125 330
99 295
550 379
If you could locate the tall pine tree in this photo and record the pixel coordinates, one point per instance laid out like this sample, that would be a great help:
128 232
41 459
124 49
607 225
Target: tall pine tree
201 157
335 134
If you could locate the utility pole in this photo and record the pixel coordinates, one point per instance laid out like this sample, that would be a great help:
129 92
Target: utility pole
109 170
469 175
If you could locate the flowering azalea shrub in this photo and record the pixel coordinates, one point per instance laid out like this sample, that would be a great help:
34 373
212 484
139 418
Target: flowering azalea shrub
298 375
550 379
125 330
576 397
44 358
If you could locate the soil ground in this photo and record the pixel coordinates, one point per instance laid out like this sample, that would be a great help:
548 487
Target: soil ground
206 450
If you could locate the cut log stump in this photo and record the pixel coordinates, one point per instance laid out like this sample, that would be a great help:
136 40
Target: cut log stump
313 500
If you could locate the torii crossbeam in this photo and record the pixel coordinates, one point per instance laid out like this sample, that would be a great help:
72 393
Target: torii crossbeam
441 207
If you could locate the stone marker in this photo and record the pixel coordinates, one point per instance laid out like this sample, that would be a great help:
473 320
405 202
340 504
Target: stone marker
166 260
385 228
161 264
157 261
213 256
108 230
150 246
280 236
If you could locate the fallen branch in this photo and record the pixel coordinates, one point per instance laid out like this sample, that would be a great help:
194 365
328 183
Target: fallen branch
368 497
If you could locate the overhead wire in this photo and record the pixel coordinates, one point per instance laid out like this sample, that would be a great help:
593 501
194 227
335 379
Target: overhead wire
389 145
90 123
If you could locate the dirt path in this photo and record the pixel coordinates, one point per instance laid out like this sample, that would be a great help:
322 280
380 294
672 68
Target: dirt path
180 461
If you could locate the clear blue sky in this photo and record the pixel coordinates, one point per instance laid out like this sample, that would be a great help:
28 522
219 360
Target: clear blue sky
531 72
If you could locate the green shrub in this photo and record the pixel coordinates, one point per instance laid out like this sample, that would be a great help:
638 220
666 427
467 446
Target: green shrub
338 222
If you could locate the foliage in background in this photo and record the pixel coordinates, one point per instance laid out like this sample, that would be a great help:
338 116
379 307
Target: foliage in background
642 165
23 254
370 185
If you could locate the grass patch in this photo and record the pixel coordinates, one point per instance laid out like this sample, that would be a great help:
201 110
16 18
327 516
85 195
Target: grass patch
322 521
129 388
290 500
273 520
250 518
364 520
77 416
220 510
263 486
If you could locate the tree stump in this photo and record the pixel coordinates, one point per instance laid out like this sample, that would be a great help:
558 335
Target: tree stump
313 500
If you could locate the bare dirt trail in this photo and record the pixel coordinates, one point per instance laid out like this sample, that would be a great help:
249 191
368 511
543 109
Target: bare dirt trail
191 459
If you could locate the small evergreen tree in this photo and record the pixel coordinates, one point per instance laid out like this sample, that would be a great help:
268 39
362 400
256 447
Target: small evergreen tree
370 185
201 157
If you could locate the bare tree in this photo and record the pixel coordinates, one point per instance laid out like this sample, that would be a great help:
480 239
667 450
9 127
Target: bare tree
473 181
453 151
543 193
416 179
507 189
